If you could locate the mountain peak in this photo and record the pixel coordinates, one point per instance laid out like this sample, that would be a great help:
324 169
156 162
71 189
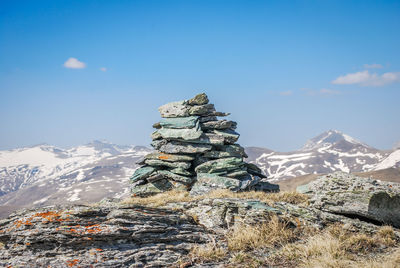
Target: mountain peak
329 137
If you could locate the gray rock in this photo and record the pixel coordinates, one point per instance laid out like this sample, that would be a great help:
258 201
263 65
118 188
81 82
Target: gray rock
206 183
230 136
199 99
220 124
157 186
174 109
205 109
110 235
220 165
181 179
348 195
180 122
141 173
185 134
169 157
161 163
175 147
203 119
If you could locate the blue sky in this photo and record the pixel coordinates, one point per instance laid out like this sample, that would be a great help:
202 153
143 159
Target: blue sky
75 71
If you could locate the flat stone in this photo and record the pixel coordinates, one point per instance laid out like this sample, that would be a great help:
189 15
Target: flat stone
199 99
237 174
156 135
161 163
208 182
185 134
220 124
141 173
202 109
230 136
203 119
169 157
156 187
176 147
174 109
181 171
157 125
180 122
234 149
178 178
208 138
220 165
253 169
345 194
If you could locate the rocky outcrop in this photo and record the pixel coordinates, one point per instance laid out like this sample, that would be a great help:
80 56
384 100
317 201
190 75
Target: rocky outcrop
196 152
351 196
97 236
112 234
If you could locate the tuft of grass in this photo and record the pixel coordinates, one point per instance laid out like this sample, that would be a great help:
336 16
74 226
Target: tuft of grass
161 199
337 247
265 235
174 196
1 245
390 261
208 252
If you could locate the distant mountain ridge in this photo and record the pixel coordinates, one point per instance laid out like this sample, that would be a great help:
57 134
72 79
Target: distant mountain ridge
44 174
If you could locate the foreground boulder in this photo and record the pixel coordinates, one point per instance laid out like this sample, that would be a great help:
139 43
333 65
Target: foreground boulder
103 236
351 196
196 152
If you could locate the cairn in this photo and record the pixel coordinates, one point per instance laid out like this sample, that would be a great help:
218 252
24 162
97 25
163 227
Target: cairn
196 152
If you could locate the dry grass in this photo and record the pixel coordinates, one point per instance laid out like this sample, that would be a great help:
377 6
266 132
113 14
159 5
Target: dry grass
265 235
160 199
174 196
207 252
336 247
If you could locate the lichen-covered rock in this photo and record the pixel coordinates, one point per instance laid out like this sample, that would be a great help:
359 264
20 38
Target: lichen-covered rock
349 195
98 236
199 99
180 122
174 109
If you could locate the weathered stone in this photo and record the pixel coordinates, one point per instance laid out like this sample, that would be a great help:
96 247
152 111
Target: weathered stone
181 179
169 157
174 109
161 163
220 124
156 187
141 173
237 174
205 109
230 136
253 169
156 144
157 125
218 114
208 138
234 149
348 195
156 135
181 171
208 182
218 165
199 99
203 119
109 235
175 147
180 122
185 134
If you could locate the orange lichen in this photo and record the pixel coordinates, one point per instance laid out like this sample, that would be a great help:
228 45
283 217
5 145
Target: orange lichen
163 157
72 263
99 249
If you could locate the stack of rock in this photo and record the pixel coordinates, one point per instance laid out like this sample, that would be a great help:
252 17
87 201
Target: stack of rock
196 152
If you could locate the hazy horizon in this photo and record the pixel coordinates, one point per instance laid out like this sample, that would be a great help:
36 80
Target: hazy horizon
77 71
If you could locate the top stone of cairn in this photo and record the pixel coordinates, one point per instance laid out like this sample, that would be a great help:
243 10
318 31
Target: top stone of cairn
196 152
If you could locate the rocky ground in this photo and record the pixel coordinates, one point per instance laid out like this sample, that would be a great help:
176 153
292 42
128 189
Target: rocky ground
340 220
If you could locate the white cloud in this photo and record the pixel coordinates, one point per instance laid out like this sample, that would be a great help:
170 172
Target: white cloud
74 63
365 78
286 93
103 69
321 92
327 91
373 66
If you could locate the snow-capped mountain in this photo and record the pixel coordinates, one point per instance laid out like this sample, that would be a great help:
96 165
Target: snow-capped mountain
328 152
44 174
